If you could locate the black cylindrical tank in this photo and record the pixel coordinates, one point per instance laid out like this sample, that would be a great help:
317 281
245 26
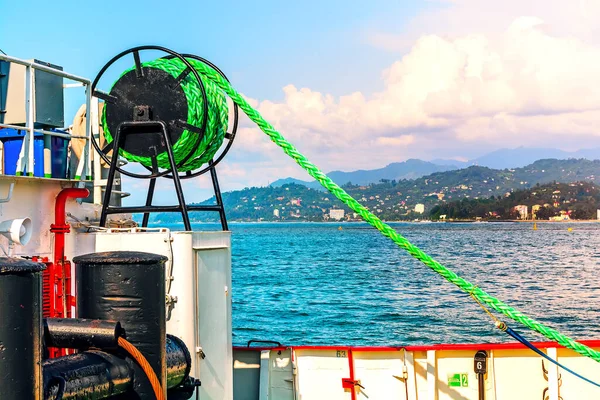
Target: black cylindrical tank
128 287
20 329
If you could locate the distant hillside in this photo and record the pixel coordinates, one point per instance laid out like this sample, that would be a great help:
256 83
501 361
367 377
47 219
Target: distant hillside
395 199
409 169
578 200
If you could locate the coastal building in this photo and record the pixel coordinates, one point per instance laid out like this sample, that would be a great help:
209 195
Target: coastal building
336 214
276 213
597 214
534 210
420 208
522 210
296 202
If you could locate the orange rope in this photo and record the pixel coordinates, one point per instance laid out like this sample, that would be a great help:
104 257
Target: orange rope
143 363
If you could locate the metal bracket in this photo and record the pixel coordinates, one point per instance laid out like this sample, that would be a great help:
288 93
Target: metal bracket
201 352
10 193
171 300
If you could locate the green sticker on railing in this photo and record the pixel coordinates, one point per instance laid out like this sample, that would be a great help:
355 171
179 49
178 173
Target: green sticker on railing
458 380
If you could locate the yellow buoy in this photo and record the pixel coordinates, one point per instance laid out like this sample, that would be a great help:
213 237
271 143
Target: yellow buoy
340 228
570 229
535 226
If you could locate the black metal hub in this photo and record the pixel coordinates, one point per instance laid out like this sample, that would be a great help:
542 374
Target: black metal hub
153 94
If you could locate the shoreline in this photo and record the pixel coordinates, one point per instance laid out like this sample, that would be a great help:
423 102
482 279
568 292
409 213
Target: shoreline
463 221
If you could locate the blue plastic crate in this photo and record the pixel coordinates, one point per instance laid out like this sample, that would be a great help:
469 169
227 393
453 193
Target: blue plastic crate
12 141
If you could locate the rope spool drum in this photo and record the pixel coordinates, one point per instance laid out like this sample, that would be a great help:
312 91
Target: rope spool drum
174 96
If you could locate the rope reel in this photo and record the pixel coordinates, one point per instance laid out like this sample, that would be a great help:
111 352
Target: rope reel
170 94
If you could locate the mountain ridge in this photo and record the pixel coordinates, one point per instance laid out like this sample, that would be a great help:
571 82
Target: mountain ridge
409 169
414 168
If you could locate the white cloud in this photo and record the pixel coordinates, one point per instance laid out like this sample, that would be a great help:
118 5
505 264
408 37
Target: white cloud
453 18
526 82
395 141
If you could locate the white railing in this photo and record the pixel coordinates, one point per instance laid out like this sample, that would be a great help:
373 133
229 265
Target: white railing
26 156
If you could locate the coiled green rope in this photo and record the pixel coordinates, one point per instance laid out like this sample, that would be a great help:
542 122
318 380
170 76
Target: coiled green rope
216 125
208 74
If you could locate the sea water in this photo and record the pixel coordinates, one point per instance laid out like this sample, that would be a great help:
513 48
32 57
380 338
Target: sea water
344 283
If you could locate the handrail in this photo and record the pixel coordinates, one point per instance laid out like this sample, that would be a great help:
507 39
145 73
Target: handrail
45 132
264 341
45 68
419 347
26 156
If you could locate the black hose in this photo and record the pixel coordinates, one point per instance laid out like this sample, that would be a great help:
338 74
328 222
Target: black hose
62 383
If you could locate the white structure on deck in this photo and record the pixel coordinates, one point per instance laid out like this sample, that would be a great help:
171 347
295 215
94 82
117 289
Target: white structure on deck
198 291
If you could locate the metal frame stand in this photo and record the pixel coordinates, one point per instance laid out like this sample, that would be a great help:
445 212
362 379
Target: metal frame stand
158 127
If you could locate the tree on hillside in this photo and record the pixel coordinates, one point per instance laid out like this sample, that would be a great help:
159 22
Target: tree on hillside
585 211
545 213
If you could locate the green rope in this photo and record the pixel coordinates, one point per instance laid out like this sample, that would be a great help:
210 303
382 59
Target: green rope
387 230
216 125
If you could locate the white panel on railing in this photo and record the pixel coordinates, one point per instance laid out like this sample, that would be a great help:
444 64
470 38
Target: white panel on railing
320 374
198 297
281 385
518 375
572 387
381 374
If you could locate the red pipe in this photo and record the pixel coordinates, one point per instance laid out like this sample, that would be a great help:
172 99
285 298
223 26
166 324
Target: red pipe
61 267
60 226
352 379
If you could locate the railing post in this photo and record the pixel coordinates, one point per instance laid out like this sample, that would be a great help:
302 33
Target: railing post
30 119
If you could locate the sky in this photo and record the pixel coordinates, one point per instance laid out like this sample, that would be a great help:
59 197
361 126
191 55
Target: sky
353 84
